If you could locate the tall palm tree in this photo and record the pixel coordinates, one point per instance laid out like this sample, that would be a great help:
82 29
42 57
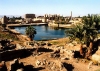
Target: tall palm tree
91 25
85 33
30 32
76 34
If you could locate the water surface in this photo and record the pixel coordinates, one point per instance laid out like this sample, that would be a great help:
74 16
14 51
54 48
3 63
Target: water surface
44 32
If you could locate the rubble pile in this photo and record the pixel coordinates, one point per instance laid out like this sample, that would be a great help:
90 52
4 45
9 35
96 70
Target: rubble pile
50 65
6 45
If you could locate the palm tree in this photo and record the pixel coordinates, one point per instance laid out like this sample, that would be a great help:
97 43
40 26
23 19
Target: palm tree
97 22
30 32
76 34
91 24
92 19
85 33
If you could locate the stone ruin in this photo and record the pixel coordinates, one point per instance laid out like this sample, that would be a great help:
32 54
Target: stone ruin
5 44
62 53
15 65
36 44
12 54
51 65
55 54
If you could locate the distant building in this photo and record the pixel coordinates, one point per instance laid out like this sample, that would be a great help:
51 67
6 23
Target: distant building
40 18
46 15
71 15
4 20
29 16
49 15
19 20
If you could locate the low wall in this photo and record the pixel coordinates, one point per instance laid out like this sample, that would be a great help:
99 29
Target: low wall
12 54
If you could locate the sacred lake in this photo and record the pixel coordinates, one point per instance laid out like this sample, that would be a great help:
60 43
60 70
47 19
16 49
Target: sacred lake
44 32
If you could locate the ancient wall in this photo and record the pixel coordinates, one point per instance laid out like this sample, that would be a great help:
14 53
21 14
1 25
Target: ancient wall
12 54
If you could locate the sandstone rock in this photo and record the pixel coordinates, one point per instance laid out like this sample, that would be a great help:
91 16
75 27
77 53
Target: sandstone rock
70 45
18 46
55 55
96 57
69 53
98 47
53 68
61 66
89 65
38 63
21 69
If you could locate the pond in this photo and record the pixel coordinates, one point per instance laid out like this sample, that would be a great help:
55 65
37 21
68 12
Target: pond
44 32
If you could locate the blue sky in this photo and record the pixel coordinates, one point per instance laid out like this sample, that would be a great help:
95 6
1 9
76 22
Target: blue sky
41 7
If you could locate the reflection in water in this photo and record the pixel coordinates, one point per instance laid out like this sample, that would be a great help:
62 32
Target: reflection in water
45 32
55 28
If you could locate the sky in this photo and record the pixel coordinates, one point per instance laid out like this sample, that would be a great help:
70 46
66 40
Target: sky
41 7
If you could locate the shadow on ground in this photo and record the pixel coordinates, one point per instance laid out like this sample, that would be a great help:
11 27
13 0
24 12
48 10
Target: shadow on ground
31 68
13 54
44 50
68 67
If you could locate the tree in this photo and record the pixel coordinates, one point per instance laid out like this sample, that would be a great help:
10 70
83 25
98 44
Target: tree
92 25
85 33
89 16
92 19
97 21
30 32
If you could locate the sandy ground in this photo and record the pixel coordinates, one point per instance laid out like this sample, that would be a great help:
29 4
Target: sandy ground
74 66
70 64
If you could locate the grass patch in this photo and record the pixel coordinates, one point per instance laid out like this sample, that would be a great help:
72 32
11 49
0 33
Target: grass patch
60 42
54 42
7 35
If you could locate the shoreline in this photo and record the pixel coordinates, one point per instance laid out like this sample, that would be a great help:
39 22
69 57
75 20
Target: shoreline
10 28
60 25
39 24
18 34
25 38
33 24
